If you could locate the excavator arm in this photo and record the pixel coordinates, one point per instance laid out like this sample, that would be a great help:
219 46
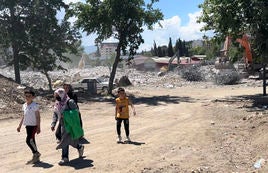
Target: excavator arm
247 54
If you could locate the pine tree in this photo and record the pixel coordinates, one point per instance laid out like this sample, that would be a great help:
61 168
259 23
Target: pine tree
170 48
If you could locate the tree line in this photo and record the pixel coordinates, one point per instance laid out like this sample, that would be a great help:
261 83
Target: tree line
181 46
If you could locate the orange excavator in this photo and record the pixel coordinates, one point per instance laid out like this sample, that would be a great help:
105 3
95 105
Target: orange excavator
248 60
243 42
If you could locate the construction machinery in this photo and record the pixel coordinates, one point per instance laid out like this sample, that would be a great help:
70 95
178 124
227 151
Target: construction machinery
249 65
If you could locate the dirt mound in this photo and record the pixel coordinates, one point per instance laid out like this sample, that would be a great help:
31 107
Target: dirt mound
11 97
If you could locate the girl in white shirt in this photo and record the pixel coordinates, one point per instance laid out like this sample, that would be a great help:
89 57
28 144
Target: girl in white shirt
31 120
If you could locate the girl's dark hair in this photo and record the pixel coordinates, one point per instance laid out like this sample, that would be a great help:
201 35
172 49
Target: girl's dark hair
120 89
29 92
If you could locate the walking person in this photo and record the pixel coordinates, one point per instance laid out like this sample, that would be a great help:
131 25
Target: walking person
31 120
69 90
64 104
122 114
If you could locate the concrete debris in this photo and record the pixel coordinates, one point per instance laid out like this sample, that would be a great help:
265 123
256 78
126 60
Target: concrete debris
137 78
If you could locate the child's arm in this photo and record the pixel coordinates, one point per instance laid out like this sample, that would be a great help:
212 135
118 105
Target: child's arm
20 124
132 106
38 119
115 117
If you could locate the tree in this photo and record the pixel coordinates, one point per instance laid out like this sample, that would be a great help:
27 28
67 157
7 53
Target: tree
121 19
48 39
37 40
98 54
155 50
235 18
12 31
170 48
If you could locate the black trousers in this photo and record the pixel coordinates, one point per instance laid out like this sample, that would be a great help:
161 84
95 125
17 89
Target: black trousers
126 126
30 139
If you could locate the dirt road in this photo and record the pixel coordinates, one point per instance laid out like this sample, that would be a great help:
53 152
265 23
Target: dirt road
186 129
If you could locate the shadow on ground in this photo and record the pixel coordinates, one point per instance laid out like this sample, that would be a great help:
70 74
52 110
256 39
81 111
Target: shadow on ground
42 164
132 143
152 101
80 163
252 103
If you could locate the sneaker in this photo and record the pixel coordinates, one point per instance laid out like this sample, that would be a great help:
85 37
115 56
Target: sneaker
128 139
35 158
63 161
119 139
81 151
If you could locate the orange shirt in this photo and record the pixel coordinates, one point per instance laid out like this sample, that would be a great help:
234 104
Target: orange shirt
122 107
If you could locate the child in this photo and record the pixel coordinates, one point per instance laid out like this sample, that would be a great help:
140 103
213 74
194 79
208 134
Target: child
122 113
31 120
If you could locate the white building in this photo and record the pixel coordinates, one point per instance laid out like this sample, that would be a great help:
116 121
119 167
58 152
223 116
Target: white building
107 49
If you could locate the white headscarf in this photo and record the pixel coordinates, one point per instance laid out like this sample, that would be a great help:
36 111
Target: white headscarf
58 107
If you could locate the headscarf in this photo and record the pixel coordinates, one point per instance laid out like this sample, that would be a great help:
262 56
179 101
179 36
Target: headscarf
58 107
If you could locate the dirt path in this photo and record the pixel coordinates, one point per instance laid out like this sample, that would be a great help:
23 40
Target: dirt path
176 130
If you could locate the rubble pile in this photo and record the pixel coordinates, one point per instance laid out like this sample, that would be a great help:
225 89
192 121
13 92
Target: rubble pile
206 75
227 77
12 97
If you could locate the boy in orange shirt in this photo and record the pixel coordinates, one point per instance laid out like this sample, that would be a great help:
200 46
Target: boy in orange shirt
122 113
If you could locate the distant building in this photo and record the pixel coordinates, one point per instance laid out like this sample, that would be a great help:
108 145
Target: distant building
144 63
164 62
107 49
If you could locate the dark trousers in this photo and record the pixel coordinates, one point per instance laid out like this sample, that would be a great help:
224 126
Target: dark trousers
126 126
30 139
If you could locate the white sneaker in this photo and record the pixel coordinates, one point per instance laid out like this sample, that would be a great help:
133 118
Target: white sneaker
63 161
128 139
119 139
81 151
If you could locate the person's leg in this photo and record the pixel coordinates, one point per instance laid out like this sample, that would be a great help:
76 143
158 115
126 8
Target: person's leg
64 155
118 129
30 139
126 126
65 152
80 149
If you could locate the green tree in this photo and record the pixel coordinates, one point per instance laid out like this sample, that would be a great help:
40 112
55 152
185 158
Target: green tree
122 19
160 52
49 39
155 50
13 14
170 48
235 18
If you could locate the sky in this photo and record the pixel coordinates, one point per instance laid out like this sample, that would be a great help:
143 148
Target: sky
179 22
